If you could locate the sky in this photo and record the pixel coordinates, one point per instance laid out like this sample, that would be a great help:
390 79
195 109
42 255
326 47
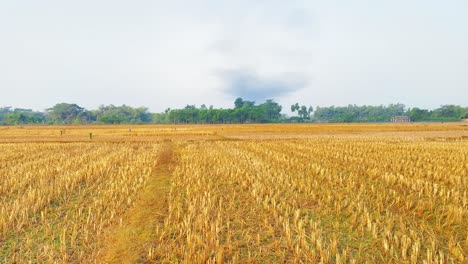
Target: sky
162 54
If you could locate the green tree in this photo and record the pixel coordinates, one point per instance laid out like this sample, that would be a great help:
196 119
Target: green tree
124 114
416 114
15 119
238 103
295 107
21 116
3 112
271 110
65 113
354 113
448 113
303 111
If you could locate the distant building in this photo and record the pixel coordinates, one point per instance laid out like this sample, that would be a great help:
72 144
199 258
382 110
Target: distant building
401 119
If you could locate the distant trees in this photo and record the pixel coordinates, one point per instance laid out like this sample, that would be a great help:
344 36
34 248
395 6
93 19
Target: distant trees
416 114
445 113
303 112
20 116
3 112
449 113
124 114
238 103
161 118
272 110
244 111
65 113
353 113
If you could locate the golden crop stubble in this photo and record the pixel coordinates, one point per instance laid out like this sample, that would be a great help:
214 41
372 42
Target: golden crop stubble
58 203
331 199
342 196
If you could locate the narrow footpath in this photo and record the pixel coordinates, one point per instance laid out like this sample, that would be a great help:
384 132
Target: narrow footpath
129 242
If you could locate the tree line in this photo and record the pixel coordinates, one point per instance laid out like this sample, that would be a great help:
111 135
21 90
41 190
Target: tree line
243 111
354 114
68 114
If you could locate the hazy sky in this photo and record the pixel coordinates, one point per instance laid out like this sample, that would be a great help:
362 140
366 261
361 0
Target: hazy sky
172 53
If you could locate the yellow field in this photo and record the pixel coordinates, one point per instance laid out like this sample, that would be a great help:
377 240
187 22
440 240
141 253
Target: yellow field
380 193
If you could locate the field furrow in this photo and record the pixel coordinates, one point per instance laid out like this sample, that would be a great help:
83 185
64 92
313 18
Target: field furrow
235 194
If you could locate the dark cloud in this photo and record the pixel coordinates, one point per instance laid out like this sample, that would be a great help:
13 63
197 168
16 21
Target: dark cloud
250 86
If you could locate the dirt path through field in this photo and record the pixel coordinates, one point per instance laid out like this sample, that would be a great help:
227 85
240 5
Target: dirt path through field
129 242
